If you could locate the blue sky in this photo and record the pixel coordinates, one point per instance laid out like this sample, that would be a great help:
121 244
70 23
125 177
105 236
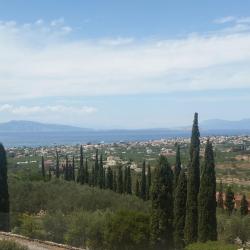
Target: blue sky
124 64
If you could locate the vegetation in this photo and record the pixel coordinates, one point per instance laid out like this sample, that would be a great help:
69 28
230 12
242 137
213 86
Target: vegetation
193 184
84 204
211 246
207 224
4 192
11 245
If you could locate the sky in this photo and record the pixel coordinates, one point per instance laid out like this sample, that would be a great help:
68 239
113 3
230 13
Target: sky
124 64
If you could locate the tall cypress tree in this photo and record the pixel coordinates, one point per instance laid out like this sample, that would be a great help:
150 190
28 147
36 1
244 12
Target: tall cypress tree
86 175
73 169
114 181
148 181
162 206
4 192
81 171
193 184
177 168
66 171
125 179
57 165
207 224
220 202
109 178
229 200
43 169
120 180
180 210
243 206
143 182
96 170
137 188
129 181
101 176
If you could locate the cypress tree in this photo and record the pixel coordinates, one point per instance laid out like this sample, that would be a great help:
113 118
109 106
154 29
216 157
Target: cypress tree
4 192
148 182
114 182
243 206
101 175
193 184
81 172
66 171
220 202
86 179
177 168
125 179
109 178
207 224
143 182
229 200
180 210
129 181
73 169
137 188
96 170
162 206
43 169
120 180
57 165
49 174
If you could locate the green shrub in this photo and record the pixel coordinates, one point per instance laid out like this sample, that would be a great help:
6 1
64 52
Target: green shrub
86 229
211 245
127 230
11 245
31 197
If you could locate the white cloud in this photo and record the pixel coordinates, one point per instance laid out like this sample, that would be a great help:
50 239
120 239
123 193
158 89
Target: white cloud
226 19
40 60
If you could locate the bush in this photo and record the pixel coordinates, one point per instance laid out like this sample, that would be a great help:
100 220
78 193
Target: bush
31 197
86 229
211 245
30 226
234 227
11 245
127 230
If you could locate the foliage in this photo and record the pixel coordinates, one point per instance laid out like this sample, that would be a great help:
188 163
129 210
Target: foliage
179 210
229 201
177 168
193 184
4 192
143 182
11 245
30 226
207 224
244 206
127 230
211 245
233 227
32 197
162 206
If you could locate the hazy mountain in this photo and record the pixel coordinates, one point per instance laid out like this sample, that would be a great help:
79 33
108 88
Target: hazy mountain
216 124
29 126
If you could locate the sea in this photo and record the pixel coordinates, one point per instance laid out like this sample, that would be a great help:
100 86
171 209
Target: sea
35 139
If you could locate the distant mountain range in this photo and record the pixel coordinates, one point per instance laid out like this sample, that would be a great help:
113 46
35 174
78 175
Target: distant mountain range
215 124
208 125
29 126
27 133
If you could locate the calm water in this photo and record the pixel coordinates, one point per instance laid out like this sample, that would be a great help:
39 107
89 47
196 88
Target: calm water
34 139
49 138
